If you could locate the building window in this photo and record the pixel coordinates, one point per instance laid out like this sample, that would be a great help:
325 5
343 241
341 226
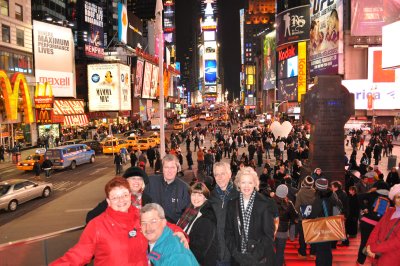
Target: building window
20 37
5 33
19 14
4 7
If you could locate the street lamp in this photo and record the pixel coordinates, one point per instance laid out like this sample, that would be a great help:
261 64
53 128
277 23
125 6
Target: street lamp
226 105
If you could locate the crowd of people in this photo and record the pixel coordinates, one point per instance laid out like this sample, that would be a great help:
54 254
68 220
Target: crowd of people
240 212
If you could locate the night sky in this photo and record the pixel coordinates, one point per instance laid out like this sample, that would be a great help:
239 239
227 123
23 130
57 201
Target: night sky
228 32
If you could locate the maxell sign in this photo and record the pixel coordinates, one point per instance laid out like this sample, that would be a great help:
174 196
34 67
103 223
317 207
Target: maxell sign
54 58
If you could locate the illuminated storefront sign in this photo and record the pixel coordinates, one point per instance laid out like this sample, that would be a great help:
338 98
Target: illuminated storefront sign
210 72
11 91
302 70
43 96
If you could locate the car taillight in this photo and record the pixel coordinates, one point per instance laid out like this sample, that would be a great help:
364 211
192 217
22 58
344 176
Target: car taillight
61 161
32 164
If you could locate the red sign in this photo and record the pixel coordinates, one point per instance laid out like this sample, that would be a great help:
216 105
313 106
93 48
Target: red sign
287 52
370 101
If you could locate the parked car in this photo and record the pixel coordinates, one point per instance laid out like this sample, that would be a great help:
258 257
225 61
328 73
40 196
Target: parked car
94 145
14 192
27 164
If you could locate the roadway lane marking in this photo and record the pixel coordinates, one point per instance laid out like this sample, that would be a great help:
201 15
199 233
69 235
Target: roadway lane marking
78 210
98 170
7 171
77 185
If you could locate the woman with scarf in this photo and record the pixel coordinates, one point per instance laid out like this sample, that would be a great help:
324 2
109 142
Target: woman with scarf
249 231
384 241
199 222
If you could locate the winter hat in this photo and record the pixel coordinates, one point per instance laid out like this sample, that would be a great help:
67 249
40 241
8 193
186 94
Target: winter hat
281 191
321 184
307 182
136 171
394 191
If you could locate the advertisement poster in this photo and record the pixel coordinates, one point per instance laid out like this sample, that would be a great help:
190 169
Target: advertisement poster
210 72
287 89
130 27
302 70
369 16
287 61
269 63
125 86
148 68
49 42
326 38
293 25
154 82
92 24
104 87
138 78
375 71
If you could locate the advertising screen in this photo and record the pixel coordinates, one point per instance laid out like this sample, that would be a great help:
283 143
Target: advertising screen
375 72
210 72
293 25
148 68
369 16
109 87
269 62
130 27
292 64
91 24
389 46
209 35
326 38
138 79
49 42
287 89
154 82
210 50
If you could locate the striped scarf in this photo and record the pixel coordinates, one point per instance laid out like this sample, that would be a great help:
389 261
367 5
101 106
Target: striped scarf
246 214
187 217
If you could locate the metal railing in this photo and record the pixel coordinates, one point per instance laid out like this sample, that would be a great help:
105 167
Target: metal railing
39 250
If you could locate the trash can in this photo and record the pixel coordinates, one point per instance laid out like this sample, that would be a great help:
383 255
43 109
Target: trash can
392 161
16 157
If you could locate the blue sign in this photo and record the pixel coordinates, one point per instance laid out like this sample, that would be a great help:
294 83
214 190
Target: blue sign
178 66
210 72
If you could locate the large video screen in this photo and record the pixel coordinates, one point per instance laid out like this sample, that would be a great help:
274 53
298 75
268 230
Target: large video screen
210 72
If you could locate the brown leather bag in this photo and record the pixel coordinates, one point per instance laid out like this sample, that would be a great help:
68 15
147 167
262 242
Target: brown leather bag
324 229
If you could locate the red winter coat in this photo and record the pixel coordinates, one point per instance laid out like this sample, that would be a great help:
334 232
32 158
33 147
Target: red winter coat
389 248
106 238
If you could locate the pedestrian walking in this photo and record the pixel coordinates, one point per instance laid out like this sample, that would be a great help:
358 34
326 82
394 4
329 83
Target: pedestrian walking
46 166
189 159
37 169
118 163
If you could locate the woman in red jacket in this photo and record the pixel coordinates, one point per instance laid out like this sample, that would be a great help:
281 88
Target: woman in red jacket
114 237
384 242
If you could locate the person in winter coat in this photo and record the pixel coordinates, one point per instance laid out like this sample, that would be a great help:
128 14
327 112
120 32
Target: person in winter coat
336 187
37 168
199 222
46 166
354 213
384 242
325 201
249 231
317 174
370 217
164 248
287 215
223 193
114 237
393 177
151 156
133 158
304 201
189 159
118 163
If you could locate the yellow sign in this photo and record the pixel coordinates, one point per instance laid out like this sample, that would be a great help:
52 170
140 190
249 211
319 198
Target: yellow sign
11 91
302 77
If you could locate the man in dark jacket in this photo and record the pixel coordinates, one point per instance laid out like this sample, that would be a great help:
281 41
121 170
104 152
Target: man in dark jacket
46 166
223 192
324 197
168 190
336 187
118 163
151 156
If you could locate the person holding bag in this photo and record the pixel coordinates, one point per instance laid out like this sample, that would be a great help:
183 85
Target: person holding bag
249 231
384 241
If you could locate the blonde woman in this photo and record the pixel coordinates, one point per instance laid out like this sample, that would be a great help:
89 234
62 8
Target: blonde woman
249 232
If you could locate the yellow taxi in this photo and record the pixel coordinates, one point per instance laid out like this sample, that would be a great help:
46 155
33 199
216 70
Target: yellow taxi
27 164
209 117
131 141
156 138
144 144
178 126
113 145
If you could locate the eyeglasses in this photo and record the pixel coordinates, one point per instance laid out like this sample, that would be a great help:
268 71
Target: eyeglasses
151 222
123 197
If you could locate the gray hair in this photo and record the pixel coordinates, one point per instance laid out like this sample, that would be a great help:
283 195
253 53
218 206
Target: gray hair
171 158
247 171
223 165
153 207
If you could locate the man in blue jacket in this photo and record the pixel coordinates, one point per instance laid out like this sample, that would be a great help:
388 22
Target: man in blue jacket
168 190
164 248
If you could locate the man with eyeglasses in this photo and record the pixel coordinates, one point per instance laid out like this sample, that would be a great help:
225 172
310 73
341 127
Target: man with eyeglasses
164 247
168 190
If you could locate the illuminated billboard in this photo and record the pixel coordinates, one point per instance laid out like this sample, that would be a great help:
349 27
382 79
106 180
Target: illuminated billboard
293 25
269 62
287 61
210 50
138 79
287 89
130 27
91 27
50 42
209 35
154 82
210 72
148 68
109 87
302 70
326 38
